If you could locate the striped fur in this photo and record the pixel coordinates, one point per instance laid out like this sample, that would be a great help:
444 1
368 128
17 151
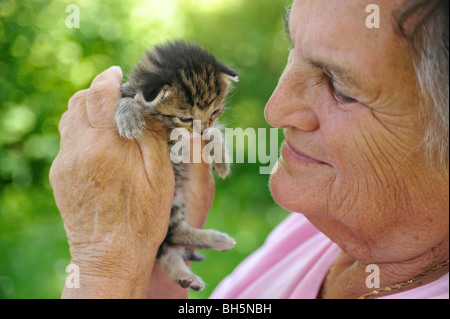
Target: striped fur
177 83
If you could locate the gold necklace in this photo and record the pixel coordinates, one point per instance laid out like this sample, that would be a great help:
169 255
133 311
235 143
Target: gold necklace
402 284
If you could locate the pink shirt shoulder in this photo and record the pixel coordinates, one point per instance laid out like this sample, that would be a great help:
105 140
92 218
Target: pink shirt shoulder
292 264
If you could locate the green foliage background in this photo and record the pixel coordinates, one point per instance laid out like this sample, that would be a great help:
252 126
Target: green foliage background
43 63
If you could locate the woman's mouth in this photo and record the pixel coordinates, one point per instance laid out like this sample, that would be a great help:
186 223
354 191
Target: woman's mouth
290 153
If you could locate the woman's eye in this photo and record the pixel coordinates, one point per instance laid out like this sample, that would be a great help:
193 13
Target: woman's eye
185 120
341 97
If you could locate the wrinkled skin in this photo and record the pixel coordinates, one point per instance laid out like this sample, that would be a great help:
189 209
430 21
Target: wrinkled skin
115 196
365 181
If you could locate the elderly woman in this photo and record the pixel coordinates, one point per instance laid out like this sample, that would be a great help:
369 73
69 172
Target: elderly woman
365 162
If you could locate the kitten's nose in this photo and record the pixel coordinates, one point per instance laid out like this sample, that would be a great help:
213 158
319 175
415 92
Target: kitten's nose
200 127
204 127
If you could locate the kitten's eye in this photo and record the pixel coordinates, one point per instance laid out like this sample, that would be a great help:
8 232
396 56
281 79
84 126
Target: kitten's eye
216 112
185 120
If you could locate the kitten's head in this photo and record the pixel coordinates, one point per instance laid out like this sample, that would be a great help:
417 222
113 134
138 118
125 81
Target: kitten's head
182 82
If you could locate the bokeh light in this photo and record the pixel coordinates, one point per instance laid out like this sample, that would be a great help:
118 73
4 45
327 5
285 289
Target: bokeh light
43 63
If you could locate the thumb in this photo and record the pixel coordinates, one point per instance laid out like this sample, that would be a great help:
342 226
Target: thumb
102 97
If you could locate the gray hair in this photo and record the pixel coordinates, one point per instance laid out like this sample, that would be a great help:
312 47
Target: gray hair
425 26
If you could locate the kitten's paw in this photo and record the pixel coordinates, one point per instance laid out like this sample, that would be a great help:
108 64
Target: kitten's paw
222 169
130 121
173 262
222 242
191 281
130 125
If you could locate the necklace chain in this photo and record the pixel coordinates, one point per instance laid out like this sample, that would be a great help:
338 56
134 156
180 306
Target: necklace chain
402 284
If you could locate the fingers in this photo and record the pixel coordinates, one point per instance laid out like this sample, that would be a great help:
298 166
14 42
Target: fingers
95 106
63 123
52 175
113 73
77 101
72 121
102 98
75 114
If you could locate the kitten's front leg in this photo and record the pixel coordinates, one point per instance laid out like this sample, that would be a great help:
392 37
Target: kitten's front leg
223 167
129 118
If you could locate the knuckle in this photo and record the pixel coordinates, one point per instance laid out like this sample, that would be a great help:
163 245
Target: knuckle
104 89
78 96
62 123
99 89
54 172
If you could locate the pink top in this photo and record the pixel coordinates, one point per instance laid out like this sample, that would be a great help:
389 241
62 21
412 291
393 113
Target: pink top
293 263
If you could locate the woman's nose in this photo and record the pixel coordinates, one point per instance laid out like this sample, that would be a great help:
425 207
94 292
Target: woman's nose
292 105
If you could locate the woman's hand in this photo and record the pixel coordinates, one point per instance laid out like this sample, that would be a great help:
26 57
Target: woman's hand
114 194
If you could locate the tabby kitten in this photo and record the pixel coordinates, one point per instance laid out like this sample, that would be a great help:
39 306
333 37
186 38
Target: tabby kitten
178 83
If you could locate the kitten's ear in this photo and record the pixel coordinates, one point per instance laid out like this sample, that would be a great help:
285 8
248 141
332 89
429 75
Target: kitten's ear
154 91
154 96
229 74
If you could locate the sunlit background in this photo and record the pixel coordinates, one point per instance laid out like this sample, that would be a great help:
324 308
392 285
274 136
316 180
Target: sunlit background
43 63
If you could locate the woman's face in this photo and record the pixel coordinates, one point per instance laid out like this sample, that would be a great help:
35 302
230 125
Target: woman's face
351 160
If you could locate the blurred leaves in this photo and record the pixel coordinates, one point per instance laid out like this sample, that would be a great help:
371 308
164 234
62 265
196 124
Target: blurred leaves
43 63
